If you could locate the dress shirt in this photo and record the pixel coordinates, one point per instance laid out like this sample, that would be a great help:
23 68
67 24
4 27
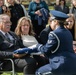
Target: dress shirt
11 38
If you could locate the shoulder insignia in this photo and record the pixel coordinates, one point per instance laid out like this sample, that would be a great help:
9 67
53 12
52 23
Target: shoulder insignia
50 34
49 41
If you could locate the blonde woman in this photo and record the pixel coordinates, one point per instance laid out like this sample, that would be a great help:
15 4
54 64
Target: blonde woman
24 30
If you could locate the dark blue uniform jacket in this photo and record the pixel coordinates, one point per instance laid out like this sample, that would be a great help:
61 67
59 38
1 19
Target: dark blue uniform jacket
59 50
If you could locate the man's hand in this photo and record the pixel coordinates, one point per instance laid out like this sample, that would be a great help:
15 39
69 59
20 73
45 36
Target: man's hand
38 13
18 55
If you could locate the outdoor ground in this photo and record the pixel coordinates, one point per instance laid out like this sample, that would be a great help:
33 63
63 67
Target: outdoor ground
10 74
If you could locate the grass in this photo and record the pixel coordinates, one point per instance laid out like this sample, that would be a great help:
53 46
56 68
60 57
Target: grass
10 73
51 7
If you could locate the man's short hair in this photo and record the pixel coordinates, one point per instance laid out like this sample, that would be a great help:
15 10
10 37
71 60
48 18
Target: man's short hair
2 17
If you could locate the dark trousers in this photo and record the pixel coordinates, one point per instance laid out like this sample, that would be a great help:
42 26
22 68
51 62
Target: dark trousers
41 61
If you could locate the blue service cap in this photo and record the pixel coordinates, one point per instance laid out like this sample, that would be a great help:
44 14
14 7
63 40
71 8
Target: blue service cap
59 15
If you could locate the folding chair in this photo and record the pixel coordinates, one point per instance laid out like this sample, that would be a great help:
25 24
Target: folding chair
13 69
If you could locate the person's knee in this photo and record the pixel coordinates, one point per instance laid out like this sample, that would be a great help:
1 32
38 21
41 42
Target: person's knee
31 67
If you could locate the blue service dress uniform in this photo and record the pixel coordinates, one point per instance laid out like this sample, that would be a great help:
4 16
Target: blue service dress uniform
59 50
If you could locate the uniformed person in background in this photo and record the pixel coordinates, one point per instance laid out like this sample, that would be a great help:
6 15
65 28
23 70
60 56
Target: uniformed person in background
59 48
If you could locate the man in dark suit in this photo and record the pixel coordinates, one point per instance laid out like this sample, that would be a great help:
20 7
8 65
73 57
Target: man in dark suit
9 41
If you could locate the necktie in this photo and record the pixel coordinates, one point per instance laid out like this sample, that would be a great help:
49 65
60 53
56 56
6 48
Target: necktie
7 37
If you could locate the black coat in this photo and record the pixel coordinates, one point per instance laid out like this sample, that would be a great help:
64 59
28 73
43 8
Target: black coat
44 35
16 13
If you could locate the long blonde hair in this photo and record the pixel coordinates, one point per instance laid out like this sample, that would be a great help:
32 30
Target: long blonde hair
18 28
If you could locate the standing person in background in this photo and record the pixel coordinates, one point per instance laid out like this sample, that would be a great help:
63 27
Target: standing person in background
62 6
73 8
39 19
1 4
3 8
24 9
16 11
6 10
57 2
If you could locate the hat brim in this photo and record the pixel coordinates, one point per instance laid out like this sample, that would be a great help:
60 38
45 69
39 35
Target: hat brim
59 15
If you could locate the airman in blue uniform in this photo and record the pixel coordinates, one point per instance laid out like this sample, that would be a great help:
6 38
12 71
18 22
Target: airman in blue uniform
59 48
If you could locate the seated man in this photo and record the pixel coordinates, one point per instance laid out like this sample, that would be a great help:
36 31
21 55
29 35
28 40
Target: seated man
8 43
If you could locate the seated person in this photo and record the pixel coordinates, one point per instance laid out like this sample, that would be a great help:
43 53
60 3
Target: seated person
25 31
9 41
71 24
58 49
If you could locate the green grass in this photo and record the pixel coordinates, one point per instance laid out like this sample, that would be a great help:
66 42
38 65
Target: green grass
10 73
51 7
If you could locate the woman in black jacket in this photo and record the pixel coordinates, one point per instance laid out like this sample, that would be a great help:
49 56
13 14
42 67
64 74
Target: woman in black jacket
16 11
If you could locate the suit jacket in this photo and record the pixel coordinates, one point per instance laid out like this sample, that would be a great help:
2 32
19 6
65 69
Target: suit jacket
44 35
7 48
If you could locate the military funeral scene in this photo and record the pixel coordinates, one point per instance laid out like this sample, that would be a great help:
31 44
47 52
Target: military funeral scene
37 37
